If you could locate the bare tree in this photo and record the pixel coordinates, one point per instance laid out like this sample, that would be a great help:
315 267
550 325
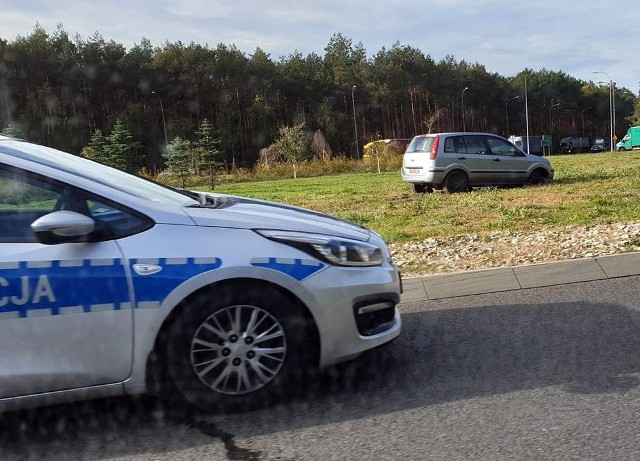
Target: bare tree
320 148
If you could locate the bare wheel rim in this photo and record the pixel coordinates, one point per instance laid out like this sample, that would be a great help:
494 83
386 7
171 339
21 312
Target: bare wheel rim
238 349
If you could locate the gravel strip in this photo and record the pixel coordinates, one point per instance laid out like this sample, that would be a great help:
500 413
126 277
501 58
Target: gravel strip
505 249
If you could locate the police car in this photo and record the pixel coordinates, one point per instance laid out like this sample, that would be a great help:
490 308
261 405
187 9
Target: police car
111 284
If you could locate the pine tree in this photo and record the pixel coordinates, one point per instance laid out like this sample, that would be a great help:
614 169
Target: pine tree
97 148
209 157
121 150
178 159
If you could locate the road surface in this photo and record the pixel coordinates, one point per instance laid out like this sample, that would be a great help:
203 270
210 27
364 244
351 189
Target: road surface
542 373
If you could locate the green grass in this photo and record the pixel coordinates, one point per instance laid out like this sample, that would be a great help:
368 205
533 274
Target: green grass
588 189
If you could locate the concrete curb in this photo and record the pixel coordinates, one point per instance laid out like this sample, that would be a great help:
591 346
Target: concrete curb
519 277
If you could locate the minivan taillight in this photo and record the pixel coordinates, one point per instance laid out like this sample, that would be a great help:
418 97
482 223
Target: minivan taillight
434 148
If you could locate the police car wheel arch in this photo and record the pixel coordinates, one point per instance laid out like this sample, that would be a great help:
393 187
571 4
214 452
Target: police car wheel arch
236 347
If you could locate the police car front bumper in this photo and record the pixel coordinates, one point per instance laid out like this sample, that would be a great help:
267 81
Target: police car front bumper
355 310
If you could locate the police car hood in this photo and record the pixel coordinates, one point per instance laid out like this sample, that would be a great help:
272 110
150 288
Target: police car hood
219 210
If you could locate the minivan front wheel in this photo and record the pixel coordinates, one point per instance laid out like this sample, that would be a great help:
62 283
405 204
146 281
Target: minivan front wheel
537 177
456 181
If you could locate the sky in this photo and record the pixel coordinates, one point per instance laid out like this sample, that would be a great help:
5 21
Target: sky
505 36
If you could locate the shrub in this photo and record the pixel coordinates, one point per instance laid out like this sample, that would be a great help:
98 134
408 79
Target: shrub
280 170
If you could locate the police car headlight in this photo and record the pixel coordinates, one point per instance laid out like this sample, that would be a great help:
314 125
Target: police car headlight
334 250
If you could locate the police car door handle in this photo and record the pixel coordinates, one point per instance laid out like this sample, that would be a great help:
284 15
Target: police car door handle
462 158
497 160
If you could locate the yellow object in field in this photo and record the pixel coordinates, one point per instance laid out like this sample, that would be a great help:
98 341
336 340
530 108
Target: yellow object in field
385 146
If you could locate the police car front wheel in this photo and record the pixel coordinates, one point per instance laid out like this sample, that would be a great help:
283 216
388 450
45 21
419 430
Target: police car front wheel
236 349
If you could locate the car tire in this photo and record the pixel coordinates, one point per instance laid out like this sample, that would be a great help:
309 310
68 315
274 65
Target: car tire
536 178
237 348
456 181
422 188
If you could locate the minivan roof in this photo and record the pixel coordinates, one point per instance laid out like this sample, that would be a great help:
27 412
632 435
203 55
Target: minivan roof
457 133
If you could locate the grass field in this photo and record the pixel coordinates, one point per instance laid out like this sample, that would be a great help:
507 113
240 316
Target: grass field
588 189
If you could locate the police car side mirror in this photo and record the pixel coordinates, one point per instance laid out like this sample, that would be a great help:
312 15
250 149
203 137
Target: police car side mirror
63 227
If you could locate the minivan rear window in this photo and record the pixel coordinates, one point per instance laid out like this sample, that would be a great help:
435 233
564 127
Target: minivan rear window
421 144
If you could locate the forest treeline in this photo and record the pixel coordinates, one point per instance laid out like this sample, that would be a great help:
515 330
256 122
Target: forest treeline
59 90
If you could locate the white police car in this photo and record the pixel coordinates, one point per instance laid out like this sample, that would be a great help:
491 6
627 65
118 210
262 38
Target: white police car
110 284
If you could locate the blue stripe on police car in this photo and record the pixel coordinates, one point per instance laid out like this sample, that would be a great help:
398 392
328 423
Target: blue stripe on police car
46 288
299 269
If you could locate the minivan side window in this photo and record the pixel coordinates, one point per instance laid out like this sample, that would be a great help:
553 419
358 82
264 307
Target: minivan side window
450 144
500 147
474 144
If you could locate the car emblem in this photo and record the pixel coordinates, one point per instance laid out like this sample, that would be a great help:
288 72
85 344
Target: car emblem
146 269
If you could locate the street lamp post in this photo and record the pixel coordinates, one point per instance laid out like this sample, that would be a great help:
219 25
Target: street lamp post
355 122
583 119
550 118
613 112
506 110
611 108
464 127
164 125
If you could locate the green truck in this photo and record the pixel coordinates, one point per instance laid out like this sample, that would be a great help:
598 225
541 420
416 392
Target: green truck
631 140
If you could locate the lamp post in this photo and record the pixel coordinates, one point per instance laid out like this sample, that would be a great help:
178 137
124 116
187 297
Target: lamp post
164 125
583 119
550 118
526 114
613 112
611 108
355 122
506 110
464 128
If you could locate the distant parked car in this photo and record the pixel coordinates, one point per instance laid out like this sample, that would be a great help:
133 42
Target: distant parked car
531 145
601 145
574 144
456 162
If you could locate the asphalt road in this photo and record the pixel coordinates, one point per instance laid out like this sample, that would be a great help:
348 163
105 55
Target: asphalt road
542 373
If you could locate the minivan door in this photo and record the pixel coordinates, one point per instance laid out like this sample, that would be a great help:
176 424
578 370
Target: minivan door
510 165
468 152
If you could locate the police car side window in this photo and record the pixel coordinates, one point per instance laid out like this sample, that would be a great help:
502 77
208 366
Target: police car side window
25 198
115 221
22 201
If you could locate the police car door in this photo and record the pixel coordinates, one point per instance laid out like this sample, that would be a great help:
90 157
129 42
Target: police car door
65 311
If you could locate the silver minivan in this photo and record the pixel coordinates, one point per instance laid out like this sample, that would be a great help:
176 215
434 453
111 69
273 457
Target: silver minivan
456 162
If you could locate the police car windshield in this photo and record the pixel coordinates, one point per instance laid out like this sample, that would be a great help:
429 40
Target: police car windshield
96 172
